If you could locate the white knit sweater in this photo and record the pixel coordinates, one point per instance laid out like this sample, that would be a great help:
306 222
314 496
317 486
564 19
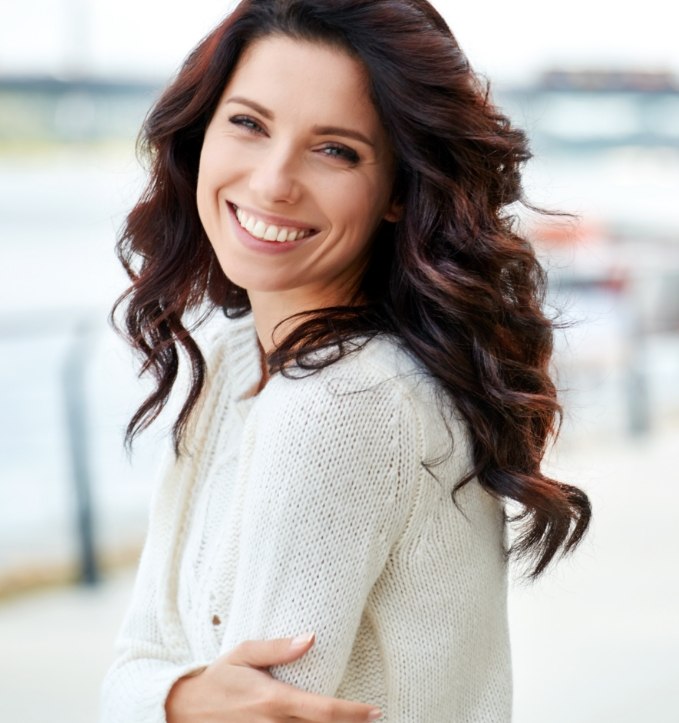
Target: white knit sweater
310 508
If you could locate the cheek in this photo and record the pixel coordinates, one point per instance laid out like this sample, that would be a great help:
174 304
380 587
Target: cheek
364 214
202 186
357 205
207 189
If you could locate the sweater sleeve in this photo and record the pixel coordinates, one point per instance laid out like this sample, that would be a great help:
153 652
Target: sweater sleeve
330 472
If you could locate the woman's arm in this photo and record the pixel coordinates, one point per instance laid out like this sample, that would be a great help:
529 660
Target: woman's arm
330 475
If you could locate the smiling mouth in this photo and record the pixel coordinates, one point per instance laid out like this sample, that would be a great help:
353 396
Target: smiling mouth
270 232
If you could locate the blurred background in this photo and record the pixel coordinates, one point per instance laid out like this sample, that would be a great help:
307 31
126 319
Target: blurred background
597 89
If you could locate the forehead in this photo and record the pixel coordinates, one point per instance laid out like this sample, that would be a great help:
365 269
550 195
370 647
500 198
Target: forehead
306 77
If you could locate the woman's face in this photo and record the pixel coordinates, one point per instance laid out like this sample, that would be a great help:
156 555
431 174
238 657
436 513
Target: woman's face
295 172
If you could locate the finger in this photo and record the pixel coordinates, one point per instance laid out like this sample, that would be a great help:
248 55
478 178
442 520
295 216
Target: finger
263 653
323 709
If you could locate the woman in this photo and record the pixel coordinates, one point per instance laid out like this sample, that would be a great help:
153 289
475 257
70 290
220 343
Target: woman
334 178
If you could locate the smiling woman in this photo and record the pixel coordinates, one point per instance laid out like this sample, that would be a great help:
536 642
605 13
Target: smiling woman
334 178
296 173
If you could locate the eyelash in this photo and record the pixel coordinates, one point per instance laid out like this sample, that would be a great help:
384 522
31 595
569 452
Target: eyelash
246 122
337 151
342 152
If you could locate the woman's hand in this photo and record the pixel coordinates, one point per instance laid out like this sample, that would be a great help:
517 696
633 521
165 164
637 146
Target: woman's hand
237 688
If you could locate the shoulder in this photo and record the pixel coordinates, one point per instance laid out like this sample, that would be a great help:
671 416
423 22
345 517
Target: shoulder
347 429
378 382
371 372
361 396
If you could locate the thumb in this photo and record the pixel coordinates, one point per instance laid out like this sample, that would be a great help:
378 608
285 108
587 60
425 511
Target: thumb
263 653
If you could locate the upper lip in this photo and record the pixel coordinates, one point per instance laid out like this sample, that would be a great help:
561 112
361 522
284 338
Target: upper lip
272 220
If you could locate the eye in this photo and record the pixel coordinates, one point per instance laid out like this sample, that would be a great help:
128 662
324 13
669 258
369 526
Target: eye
246 122
335 150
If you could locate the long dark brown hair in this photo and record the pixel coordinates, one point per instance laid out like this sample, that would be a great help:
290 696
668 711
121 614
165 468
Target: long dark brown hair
452 278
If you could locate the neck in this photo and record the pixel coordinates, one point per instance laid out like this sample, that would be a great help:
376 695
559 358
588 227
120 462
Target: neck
268 311
271 309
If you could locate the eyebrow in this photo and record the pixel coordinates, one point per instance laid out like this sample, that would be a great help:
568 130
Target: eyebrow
346 132
318 130
251 104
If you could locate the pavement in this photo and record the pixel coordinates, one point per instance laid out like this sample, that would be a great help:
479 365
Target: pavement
595 641
56 646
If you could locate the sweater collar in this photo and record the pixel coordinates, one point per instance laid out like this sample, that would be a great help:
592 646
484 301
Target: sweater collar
243 357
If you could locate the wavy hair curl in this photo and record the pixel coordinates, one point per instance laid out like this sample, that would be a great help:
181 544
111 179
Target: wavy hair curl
453 278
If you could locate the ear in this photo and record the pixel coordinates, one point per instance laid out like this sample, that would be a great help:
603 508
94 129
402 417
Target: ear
394 212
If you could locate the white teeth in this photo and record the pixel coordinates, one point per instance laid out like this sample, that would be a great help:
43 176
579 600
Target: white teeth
268 232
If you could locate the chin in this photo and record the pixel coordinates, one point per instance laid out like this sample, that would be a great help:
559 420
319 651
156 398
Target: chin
256 282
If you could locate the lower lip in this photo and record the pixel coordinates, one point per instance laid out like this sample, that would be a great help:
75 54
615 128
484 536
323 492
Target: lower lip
256 244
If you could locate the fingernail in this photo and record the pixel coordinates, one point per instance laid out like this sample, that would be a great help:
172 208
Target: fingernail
375 714
301 640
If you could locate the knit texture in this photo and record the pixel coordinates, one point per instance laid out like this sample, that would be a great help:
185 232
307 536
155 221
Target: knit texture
323 504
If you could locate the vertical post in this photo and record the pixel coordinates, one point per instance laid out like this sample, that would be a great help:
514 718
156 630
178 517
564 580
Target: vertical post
75 366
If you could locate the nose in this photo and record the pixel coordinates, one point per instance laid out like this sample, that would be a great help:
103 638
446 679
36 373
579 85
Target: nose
274 177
